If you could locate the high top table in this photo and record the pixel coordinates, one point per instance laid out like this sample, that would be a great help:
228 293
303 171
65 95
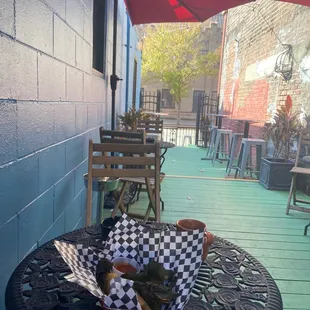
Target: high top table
230 279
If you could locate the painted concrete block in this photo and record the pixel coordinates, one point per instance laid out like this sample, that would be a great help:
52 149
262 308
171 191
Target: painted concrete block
7 17
81 222
34 221
79 183
58 7
64 41
88 26
89 5
19 186
95 207
92 115
52 166
64 194
81 118
74 152
73 213
9 256
75 12
57 229
34 24
51 78
35 127
75 84
8 132
64 121
86 145
83 55
18 67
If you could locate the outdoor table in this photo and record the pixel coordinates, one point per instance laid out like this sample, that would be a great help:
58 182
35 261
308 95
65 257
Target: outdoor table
229 279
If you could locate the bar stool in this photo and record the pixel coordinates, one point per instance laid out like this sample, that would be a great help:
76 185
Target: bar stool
245 154
212 142
187 137
232 151
222 142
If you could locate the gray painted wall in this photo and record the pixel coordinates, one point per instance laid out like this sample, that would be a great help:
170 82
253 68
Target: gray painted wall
51 103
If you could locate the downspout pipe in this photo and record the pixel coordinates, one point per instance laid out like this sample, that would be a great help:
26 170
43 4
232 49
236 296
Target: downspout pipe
127 63
114 78
222 52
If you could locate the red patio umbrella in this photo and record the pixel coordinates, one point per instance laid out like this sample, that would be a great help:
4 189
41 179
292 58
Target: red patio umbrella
172 11
163 11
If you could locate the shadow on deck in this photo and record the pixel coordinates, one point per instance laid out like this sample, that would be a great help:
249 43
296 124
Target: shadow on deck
242 212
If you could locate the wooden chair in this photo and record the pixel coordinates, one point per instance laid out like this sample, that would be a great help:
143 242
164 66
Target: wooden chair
152 126
304 141
111 136
146 168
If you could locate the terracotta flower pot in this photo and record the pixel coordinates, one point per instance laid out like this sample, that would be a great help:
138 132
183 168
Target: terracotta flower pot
190 225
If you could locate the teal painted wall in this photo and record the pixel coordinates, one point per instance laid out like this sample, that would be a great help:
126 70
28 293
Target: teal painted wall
51 103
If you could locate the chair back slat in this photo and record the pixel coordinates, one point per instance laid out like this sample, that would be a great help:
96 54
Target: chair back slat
135 173
113 136
125 160
151 126
124 148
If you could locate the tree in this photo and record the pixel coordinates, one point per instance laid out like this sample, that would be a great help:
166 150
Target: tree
174 54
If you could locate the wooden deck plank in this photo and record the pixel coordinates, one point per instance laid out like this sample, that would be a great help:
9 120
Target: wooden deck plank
243 212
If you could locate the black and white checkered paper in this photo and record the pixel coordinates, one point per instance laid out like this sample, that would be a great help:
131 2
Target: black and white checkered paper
177 251
82 262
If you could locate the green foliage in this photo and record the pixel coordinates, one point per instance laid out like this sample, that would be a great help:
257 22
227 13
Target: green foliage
174 54
285 126
129 120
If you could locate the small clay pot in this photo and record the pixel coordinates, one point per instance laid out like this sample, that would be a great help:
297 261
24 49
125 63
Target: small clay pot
190 225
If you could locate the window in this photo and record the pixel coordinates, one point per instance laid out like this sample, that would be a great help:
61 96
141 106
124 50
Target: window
167 99
197 97
99 35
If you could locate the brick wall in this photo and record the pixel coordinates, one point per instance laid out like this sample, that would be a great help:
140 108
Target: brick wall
249 86
51 103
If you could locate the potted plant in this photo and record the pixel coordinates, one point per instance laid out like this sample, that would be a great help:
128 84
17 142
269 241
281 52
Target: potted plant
282 130
129 120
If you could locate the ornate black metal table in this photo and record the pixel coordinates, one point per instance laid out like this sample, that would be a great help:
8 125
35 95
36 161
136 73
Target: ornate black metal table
230 279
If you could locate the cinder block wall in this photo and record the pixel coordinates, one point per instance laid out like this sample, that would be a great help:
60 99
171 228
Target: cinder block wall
51 103
249 86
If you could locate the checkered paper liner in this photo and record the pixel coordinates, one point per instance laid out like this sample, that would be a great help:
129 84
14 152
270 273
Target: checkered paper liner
82 262
177 251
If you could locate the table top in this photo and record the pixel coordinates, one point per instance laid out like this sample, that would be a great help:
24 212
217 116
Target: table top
244 120
157 113
230 278
217 115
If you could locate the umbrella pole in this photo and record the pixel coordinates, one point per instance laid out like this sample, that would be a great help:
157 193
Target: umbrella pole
114 78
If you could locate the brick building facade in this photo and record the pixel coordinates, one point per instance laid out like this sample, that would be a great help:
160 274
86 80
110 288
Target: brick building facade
256 34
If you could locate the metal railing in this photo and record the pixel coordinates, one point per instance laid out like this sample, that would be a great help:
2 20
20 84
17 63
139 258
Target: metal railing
179 135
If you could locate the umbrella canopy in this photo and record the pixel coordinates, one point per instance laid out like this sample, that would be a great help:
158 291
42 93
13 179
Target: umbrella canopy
172 11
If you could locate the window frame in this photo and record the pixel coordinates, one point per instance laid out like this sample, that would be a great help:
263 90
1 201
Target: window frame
172 106
104 39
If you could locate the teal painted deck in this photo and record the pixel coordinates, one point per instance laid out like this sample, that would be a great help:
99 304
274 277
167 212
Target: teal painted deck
242 212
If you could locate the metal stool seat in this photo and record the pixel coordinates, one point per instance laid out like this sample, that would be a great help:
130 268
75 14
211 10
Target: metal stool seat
245 154
222 142
212 142
232 151
187 137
